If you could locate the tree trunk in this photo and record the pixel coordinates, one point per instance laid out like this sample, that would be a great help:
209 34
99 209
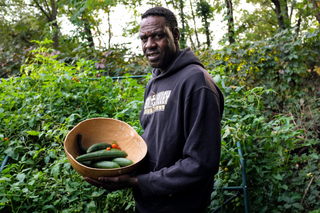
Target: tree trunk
51 18
207 30
298 25
87 29
109 28
54 24
192 43
316 8
195 26
55 38
183 31
291 12
281 10
230 22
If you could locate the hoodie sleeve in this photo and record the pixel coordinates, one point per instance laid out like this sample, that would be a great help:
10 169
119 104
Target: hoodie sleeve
201 152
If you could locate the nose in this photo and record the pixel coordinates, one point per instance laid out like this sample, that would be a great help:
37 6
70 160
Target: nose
150 43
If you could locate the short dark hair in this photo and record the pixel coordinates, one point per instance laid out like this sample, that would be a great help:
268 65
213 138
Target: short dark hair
169 17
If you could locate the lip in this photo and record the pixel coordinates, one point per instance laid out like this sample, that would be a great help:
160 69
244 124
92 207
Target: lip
152 56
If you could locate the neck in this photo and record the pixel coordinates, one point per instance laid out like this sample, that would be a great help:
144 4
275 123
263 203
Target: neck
176 55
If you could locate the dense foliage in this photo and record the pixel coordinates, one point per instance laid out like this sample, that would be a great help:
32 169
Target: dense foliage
93 23
37 110
268 69
281 149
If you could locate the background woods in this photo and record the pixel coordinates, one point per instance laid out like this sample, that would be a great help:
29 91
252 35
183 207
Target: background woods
265 55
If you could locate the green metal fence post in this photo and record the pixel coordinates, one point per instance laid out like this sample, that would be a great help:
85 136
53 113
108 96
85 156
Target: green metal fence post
244 179
239 189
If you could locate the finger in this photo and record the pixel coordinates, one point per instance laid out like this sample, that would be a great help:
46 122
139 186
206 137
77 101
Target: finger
104 179
93 182
116 179
108 186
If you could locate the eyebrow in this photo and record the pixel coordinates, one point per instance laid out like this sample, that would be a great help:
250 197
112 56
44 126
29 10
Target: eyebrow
153 34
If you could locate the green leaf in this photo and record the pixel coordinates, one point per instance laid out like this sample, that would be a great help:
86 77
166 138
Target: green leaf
45 207
31 122
3 201
97 193
12 153
217 79
298 206
21 177
226 133
251 98
287 206
55 171
92 205
31 182
33 133
47 159
264 209
314 155
69 188
16 198
278 177
38 152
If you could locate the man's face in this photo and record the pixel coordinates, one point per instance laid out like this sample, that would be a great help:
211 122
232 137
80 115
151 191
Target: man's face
158 42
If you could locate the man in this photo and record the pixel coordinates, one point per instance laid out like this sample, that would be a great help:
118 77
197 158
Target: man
181 121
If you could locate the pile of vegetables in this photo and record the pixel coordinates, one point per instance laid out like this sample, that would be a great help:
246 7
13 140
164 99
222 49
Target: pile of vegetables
103 155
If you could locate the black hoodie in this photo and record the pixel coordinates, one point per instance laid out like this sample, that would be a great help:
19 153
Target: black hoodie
181 121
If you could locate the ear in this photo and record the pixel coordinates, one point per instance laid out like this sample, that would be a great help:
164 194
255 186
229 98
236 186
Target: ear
176 34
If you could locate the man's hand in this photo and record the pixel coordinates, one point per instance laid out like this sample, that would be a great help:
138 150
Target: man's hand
114 183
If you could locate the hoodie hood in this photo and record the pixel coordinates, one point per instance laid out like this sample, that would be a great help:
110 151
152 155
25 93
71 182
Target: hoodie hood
185 58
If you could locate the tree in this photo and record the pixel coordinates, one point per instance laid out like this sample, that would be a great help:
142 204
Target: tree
315 5
204 11
50 10
182 16
231 34
272 16
179 5
281 11
81 16
194 23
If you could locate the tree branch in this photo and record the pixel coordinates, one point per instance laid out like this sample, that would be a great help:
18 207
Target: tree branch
42 10
306 190
292 6
48 8
14 5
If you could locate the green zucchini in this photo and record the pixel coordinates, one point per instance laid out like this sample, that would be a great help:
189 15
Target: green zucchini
105 165
102 155
97 147
79 139
122 161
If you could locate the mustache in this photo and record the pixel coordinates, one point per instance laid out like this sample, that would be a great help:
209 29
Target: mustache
149 52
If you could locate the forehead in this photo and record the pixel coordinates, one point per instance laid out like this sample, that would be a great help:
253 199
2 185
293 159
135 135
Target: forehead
151 24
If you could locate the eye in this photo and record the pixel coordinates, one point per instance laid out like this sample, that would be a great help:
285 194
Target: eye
143 39
158 36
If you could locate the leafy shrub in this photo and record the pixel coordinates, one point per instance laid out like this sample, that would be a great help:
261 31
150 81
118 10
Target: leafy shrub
277 174
38 109
36 112
116 61
280 63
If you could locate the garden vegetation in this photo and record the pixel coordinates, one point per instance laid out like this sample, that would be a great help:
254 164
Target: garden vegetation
271 83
